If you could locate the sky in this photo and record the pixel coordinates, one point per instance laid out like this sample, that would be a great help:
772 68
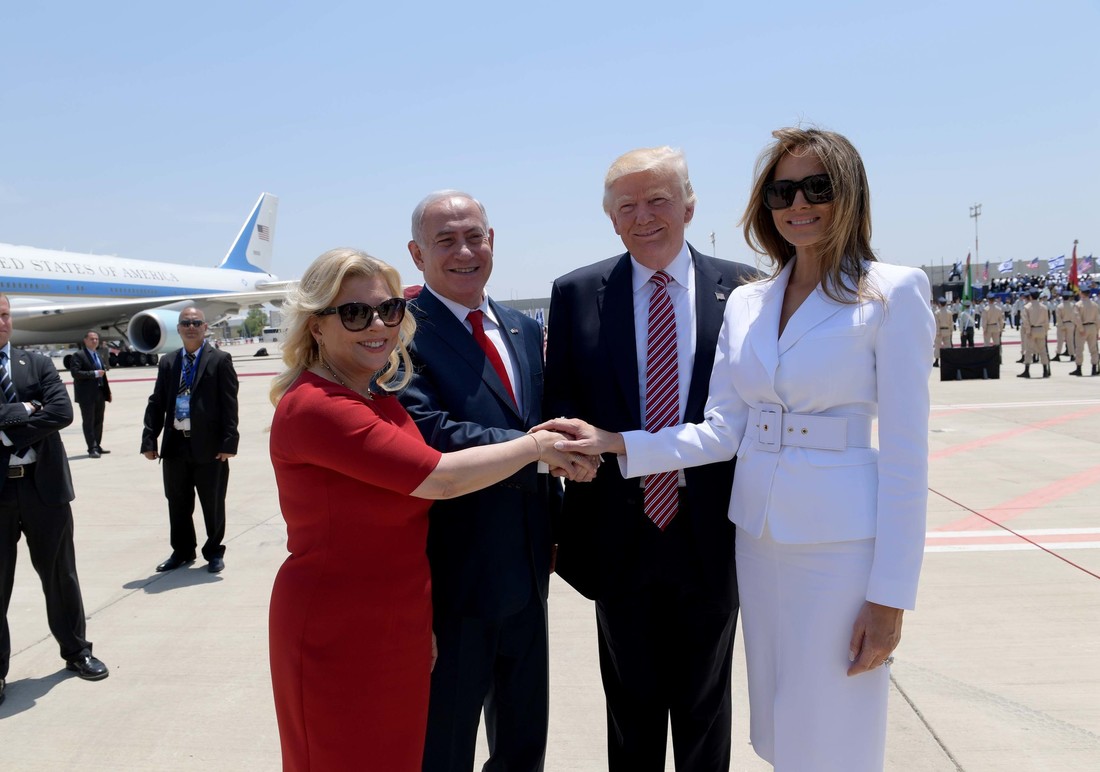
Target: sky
148 130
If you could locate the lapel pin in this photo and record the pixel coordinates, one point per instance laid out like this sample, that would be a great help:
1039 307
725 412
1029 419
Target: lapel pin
514 331
720 295
22 361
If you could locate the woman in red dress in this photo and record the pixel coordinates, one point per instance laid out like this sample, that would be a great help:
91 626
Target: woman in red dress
350 623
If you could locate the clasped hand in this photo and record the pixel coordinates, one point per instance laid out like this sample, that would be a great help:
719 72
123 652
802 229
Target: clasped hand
577 467
576 447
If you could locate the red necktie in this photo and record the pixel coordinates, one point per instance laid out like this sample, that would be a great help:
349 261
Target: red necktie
491 353
662 397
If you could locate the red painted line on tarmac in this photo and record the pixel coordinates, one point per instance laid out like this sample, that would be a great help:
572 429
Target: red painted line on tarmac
1008 538
1028 502
149 380
993 439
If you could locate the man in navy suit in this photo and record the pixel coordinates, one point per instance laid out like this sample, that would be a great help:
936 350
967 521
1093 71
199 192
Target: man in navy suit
664 585
91 391
194 405
478 380
35 491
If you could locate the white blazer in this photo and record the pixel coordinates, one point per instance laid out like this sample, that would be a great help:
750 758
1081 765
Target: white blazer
842 365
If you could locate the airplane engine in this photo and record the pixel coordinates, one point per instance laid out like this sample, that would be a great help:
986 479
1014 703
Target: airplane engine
154 331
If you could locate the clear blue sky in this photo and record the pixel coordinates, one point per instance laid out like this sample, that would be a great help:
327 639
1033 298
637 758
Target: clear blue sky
148 130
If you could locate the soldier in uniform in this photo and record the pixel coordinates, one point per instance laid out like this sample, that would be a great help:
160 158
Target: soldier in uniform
993 323
1088 316
1065 316
1034 322
944 323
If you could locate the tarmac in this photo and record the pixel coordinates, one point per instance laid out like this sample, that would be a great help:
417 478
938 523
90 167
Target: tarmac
998 669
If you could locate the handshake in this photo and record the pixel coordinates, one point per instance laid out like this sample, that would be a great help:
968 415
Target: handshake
572 447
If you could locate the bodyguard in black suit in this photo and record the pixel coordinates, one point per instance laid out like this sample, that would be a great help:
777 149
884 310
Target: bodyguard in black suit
91 390
194 403
666 600
489 550
35 491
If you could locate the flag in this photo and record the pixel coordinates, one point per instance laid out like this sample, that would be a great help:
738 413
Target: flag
1033 263
263 232
1086 264
1071 282
1056 263
985 273
966 284
1005 267
540 318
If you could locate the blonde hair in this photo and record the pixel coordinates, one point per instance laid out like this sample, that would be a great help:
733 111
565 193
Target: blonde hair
847 245
316 290
649 159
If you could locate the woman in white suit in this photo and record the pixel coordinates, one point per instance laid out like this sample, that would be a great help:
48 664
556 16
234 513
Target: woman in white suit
830 530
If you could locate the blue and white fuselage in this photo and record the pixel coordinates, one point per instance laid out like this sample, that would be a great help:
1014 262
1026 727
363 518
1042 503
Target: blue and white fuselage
56 297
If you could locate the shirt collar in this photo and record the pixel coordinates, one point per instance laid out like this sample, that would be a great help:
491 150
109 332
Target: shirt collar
460 311
679 269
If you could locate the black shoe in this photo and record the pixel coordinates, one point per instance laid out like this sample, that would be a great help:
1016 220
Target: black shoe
215 566
101 450
1046 371
93 453
1026 373
1077 371
1056 358
936 363
1095 370
88 667
174 562
1020 361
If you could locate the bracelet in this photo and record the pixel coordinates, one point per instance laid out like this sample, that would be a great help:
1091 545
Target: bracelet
537 447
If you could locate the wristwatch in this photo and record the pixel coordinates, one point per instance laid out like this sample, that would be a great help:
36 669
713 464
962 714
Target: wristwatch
36 405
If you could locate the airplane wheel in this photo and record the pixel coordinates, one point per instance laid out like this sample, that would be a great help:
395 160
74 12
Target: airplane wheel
67 361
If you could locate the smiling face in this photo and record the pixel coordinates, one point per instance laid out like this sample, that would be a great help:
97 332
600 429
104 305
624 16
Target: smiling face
356 356
802 224
454 250
649 214
191 334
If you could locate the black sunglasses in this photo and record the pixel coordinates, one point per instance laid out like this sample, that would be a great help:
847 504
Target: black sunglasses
191 323
357 316
817 188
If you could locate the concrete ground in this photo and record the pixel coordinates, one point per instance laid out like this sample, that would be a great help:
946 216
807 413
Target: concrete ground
999 668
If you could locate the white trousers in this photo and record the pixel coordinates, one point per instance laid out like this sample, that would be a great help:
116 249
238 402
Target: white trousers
798 604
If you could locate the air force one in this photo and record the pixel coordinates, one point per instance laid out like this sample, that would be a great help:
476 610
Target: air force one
56 297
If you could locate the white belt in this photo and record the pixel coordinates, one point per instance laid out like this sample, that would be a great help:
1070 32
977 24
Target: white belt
776 428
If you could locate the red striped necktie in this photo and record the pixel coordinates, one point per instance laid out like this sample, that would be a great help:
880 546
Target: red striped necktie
491 353
662 397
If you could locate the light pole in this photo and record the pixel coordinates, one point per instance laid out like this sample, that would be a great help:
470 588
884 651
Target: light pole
976 212
713 251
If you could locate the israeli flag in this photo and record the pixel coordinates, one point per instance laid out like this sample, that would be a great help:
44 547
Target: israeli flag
1005 267
1056 263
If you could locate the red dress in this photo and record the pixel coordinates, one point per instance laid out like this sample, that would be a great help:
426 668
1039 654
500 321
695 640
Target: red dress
351 615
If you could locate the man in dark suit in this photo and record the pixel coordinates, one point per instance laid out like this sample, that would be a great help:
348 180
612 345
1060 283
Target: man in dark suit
35 491
194 403
91 391
661 570
490 550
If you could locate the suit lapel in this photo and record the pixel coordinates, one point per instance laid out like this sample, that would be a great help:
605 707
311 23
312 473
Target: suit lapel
438 320
615 304
20 376
764 332
710 305
814 310
200 366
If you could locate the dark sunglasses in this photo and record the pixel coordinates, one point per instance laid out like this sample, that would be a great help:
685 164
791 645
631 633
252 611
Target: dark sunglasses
817 188
358 316
191 323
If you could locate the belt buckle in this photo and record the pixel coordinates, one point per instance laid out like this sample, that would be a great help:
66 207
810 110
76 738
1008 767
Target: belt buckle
769 428
15 472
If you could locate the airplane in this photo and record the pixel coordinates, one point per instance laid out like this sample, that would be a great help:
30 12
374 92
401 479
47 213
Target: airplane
56 296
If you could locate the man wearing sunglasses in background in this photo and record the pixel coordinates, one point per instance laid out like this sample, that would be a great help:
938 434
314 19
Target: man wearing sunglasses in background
194 403
478 380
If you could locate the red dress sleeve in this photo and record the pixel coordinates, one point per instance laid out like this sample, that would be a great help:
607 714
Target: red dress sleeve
324 424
